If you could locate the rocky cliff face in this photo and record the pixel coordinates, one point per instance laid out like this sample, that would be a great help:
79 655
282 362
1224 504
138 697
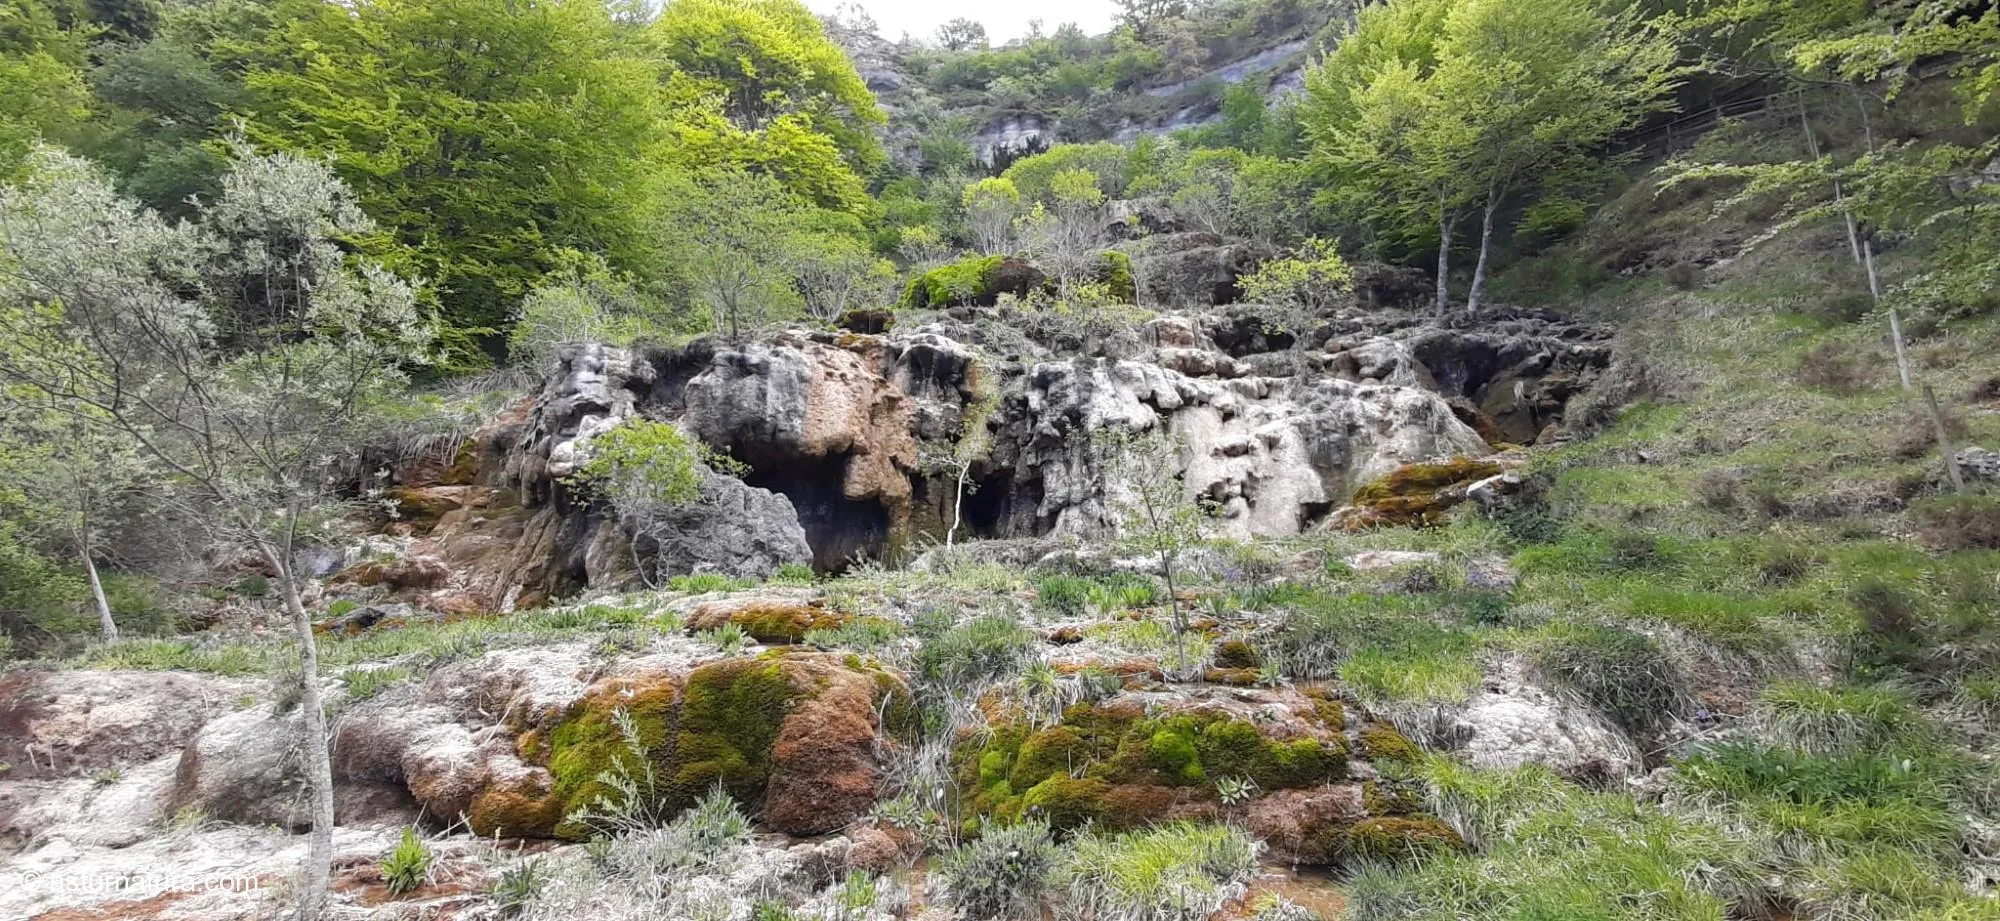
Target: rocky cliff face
1277 431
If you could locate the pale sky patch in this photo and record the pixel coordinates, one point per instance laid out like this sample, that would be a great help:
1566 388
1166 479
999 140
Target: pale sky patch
1003 20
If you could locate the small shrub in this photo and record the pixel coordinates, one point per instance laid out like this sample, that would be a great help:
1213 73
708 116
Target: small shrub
1785 565
1838 369
1959 522
518 887
252 585
1716 489
1916 434
1843 308
408 866
1891 626
1684 276
1634 550
1004 873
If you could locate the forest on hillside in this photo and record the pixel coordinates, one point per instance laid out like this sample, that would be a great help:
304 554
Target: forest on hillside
264 264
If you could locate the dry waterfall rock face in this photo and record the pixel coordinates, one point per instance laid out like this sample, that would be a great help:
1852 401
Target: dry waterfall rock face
834 429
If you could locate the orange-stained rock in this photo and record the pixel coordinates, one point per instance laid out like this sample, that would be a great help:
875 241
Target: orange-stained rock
1306 826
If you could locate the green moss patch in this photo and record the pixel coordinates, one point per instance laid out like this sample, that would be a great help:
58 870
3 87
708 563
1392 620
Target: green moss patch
1102 759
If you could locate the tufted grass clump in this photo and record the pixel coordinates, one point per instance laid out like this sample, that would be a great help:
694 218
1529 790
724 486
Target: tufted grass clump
1003 874
985 647
1064 596
702 583
1625 675
1839 719
1175 872
364 683
862 634
793 574
1550 850
177 655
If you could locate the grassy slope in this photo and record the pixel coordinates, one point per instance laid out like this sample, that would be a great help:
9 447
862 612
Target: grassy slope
1753 520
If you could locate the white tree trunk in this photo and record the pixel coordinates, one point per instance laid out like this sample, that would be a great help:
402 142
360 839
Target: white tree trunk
317 873
105 625
1444 261
1478 291
957 505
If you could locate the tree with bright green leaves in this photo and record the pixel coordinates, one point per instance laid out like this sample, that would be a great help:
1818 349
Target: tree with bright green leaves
788 100
585 300
1866 55
992 206
484 136
1543 84
1396 148
243 354
42 89
71 477
833 274
1436 109
735 238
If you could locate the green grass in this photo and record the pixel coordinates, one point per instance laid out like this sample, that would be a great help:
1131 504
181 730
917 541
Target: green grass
1175 872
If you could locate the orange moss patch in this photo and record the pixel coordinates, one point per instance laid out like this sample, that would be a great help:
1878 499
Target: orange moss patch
767 621
1413 495
1234 677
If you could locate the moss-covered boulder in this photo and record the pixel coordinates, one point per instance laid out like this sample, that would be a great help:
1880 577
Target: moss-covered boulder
1139 758
979 281
975 281
797 736
767 618
1413 495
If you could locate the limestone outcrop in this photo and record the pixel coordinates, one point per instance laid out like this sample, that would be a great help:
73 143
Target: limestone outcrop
846 437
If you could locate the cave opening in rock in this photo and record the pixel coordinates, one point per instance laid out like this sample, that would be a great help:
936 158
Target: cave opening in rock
839 530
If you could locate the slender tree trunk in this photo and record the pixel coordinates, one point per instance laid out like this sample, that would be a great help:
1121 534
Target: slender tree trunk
957 505
1444 260
1478 292
105 624
1174 609
318 870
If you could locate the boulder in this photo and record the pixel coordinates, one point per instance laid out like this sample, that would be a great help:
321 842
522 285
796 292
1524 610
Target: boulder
517 744
1514 721
75 723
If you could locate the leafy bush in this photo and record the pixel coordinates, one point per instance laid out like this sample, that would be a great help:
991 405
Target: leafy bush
1839 369
1004 873
1625 675
409 865
1176 872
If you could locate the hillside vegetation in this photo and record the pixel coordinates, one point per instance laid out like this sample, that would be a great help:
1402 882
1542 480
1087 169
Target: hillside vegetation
1522 460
